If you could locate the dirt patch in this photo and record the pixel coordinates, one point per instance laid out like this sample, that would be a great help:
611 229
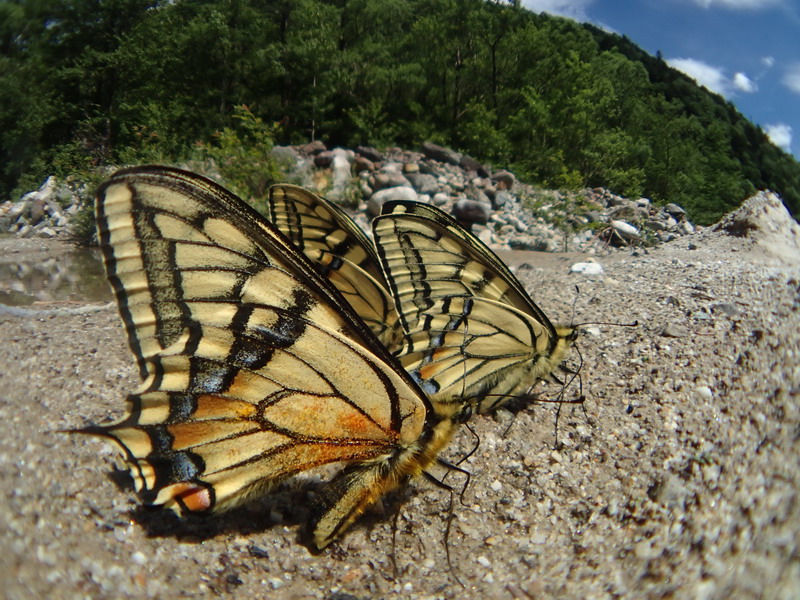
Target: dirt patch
680 479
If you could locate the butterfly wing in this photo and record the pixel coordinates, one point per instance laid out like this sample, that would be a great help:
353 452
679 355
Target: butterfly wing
471 329
254 368
343 252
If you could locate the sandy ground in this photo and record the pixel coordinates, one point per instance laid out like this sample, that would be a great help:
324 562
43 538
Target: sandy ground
680 480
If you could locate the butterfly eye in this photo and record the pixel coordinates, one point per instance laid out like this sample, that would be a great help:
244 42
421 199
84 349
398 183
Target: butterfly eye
464 415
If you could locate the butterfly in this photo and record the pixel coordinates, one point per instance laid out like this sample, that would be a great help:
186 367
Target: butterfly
343 252
472 332
254 368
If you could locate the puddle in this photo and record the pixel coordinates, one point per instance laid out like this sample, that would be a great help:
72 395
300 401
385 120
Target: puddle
76 275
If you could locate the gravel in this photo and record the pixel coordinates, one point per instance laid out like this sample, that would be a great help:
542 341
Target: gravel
677 477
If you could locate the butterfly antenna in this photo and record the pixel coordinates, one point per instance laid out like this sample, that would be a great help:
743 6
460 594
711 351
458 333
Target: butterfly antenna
393 553
450 510
474 448
510 425
611 324
574 304
446 541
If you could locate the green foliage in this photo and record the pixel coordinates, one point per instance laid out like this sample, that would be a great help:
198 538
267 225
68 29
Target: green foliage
568 105
82 225
242 154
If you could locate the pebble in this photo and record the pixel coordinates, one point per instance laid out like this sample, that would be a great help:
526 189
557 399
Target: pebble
587 268
704 393
674 331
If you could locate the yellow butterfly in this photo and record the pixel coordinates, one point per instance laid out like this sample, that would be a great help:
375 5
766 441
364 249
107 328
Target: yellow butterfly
472 332
345 255
253 366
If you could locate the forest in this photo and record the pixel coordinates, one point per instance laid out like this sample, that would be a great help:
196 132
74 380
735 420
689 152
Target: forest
87 83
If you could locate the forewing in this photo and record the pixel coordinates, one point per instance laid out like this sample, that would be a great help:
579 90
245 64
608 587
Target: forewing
466 349
472 332
342 251
254 368
442 259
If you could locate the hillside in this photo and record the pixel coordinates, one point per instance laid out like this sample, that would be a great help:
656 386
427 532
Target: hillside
561 104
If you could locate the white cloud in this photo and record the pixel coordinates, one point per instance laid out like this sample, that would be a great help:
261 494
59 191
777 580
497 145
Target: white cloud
780 134
768 61
791 79
706 75
738 4
714 78
743 83
573 9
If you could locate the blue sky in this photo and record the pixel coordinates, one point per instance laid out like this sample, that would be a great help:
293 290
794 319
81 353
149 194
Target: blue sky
746 50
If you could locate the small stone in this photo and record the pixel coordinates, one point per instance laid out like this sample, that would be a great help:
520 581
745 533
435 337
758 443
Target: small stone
504 180
674 210
675 331
441 154
704 393
377 200
587 268
726 308
644 550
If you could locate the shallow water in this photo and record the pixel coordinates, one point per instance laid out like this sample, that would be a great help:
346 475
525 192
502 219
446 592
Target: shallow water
72 276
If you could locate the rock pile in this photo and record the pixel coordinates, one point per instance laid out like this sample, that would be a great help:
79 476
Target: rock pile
764 220
502 211
45 212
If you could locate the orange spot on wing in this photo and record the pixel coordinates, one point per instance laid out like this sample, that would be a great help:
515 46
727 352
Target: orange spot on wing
356 423
217 407
192 497
429 371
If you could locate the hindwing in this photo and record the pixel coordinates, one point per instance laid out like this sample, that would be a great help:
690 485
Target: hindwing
472 332
253 366
343 252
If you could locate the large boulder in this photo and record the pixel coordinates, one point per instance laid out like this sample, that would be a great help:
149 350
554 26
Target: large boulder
379 198
445 155
472 211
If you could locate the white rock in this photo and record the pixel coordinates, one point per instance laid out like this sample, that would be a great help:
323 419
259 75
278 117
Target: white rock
341 172
626 230
587 268
704 392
